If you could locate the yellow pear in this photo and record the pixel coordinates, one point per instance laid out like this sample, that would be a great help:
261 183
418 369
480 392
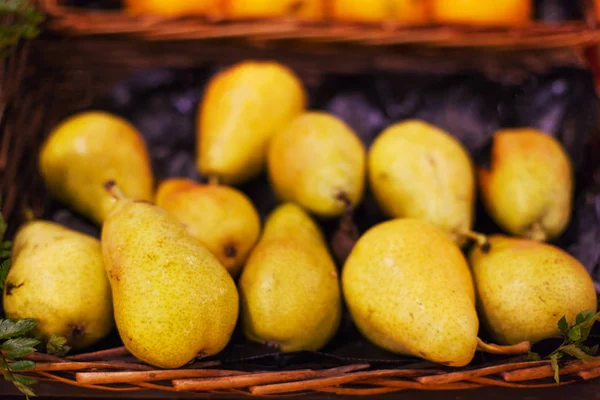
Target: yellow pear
419 171
524 287
173 300
221 217
172 7
57 278
477 12
309 9
404 11
289 289
528 188
318 162
88 149
409 290
242 108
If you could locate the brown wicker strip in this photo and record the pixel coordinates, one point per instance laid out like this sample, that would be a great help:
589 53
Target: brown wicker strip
252 379
497 382
547 371
77 366
61 379
101 355
418 386
143 376
357 392
468 375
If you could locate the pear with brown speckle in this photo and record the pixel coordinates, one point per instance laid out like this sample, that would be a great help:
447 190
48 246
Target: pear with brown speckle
173 300
409 290
524 287
289 289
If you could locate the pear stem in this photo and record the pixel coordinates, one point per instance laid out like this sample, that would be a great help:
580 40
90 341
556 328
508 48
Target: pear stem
519 348
214 180
347 233
536 232
28 214
114 190
479 238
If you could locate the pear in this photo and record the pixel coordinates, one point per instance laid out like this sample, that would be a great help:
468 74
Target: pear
172 298
88 149
409 290
242 108
289 289
58 278
419 171
318 162
305 9
524 287
221 217
172 7
528 188
408 12
486 13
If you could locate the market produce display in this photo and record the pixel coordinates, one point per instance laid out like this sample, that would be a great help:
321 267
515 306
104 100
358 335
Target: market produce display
172 253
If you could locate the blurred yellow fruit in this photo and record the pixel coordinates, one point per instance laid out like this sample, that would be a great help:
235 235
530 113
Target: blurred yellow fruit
172 7
312 9
407 11
480 12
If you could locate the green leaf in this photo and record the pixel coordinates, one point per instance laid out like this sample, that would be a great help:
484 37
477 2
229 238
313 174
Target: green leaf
21 365
57 345
25 380
10 328
575 333
563 325
583 316
19 347
531 356
576 352
593 350
555 367
26 390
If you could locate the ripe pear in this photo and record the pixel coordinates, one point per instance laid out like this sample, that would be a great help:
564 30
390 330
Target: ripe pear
404 11
524 287
289 289
318 162
172 7
58 278
221 217
528 188
173 300
88 149
477 12
243 107
419 171
305 9
409 290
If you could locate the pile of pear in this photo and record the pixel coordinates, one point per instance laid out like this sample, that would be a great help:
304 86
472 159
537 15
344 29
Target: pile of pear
181 263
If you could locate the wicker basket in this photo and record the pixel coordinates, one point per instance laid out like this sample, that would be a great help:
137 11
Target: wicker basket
46 80
76 21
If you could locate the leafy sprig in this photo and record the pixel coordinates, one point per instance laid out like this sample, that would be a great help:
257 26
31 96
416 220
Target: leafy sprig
573 344
19 20
14 346
5 247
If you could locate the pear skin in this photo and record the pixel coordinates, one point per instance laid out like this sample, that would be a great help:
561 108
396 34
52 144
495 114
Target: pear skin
528 188
242 108
477 12
419 171
409 290
89 149
173 300
221 217
408 12
289 288
57 278
305 9
315 162
524 287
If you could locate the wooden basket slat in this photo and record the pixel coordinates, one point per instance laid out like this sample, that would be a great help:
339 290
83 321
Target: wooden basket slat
73 21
